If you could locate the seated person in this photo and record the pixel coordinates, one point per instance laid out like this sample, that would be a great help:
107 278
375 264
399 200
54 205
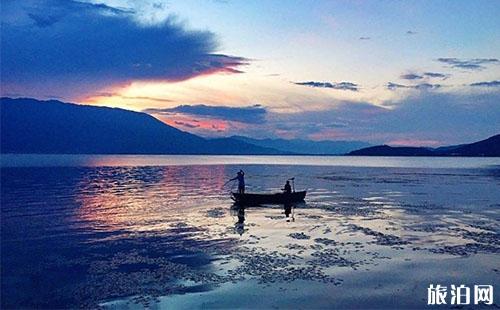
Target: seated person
288 188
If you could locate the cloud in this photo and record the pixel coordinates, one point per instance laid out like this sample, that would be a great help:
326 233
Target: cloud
114 94
420 118
421 86
436 75
486 84
411 76
434 115
469 64
255 114
341 85
332 122
188 125
43 21
393 86
426 86
68 46
445 118
418 76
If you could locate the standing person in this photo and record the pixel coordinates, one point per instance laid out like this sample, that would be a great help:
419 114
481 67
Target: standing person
240 176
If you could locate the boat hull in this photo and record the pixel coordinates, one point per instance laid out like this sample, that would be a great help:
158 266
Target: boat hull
277 198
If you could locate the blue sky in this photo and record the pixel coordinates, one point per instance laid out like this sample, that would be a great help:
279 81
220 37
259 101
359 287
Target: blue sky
399 72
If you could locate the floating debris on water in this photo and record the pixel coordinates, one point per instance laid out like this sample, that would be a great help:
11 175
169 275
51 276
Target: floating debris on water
301 236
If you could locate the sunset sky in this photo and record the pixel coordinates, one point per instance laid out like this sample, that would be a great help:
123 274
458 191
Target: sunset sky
397 72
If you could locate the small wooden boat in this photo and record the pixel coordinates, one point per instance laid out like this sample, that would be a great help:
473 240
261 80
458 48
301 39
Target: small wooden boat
277 198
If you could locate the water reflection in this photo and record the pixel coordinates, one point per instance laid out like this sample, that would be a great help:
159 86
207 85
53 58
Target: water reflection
49 160
288 211
239 212
143 198
115 232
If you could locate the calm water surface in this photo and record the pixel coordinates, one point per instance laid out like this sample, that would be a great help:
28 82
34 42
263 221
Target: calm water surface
161 231
37 160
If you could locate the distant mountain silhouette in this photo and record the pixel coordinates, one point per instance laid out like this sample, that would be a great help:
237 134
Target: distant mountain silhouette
299 146
489 147
385 150
54 127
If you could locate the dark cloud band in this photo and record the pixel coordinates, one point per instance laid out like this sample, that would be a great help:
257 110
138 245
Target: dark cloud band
495 83
419 76
469 64
69 44
421 86
251 114
341 85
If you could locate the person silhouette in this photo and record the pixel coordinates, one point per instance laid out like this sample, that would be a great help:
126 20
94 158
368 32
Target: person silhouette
240 176
287 189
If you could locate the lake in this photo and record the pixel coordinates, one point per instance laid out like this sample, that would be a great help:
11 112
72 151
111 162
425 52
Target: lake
127 231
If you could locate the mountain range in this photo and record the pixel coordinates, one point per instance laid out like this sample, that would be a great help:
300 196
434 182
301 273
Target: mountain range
33 126
487 148
53 127
299 146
